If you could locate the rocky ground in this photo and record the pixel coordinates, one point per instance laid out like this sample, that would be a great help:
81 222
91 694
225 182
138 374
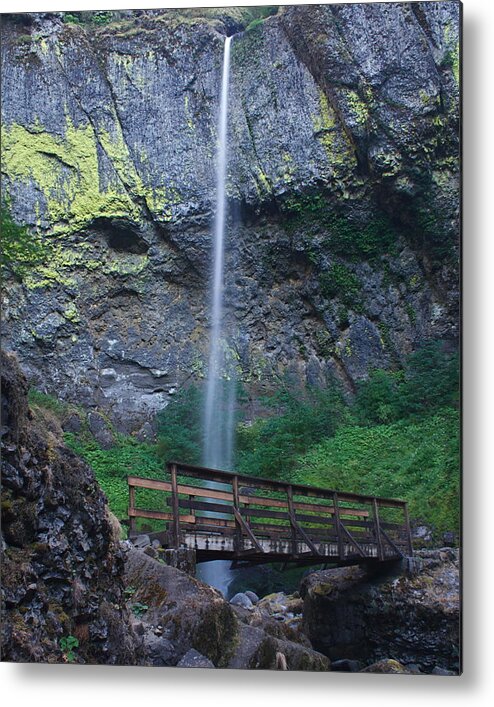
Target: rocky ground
404 620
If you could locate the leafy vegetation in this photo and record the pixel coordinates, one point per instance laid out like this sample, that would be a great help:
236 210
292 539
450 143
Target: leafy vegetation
415 460
179 427
112 466
366 240
67 646
340 282
271 445
260 14
98 17
138 609
21 250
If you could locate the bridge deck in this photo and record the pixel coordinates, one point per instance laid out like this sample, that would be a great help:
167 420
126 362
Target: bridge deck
232 516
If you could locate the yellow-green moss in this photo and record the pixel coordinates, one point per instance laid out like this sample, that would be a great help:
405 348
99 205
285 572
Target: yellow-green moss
358 108
65 171
336 143
71 313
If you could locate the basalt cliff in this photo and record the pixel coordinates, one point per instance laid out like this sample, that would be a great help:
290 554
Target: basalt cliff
343 192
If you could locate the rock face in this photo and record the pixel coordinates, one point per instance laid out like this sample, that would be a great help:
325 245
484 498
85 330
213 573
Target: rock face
62 566
414 620
342 184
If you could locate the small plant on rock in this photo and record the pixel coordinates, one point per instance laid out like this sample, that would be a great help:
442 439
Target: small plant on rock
139 609
67 645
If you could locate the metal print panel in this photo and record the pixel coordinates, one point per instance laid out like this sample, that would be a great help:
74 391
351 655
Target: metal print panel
230 388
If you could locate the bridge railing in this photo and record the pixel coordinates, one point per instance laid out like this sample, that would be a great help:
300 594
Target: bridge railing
237 515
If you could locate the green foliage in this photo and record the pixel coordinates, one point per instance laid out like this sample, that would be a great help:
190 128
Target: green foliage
260 14
112 466
366 240
48 402
415 460
71 19
179 427
67 645
340 282
138 609
271 445
98 17
429 382
21 250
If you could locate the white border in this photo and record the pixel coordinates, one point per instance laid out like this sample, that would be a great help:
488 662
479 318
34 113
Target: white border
78 686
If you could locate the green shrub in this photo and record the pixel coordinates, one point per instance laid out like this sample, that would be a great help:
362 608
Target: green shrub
271 445
112 466
340 282
180 427
414 460
48 402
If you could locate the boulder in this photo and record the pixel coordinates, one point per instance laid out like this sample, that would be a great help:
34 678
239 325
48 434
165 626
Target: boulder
388 666
242 600
142 541
257 650
252 596
62 563
346 666
193 659
192 614
358 615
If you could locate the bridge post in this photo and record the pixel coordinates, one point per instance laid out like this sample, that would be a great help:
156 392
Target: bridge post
291 513
407 528
132 503
237 540
175 507
377 527
341 548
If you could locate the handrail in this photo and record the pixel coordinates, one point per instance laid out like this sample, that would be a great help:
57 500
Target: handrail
208 474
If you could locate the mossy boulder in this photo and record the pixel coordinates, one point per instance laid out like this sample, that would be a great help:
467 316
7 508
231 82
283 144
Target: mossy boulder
193 614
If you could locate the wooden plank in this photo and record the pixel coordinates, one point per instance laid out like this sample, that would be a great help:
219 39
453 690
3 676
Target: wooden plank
392 543
198 528
353 541
291 510
341 550
149 483
378 530
258 500
158 515
238 544
295 525
199 492
408 531
204 506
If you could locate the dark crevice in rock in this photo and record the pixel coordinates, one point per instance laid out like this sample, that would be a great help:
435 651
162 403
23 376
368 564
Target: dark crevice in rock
120 235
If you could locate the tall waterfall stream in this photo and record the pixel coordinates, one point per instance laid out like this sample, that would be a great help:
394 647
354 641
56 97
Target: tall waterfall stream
219 409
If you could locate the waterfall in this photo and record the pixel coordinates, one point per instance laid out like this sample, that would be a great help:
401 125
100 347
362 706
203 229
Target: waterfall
218 413
220 388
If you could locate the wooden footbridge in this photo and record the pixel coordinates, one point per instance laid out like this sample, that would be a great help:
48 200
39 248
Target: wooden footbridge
245 519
